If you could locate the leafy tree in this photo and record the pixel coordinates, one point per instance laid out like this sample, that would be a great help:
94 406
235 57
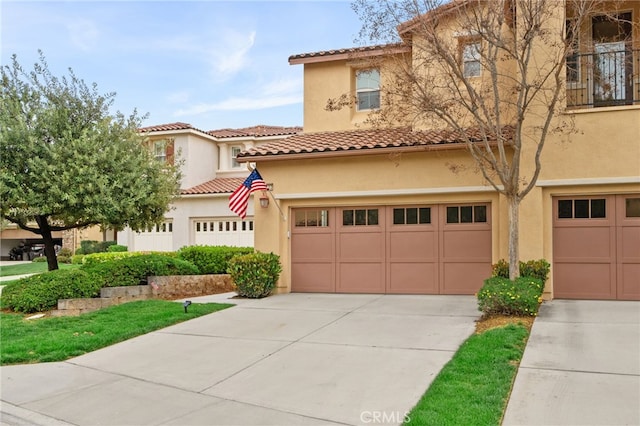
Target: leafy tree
67 162
519 50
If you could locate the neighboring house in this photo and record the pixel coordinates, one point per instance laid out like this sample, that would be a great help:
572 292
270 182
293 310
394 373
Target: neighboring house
380 210
201 215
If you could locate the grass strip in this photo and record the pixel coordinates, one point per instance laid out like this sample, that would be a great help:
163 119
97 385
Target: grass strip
30 268
473 388
59 338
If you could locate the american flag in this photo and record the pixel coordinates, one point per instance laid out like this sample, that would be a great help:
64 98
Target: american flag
239 200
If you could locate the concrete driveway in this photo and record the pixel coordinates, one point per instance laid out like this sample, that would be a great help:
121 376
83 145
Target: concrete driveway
581 366
293 359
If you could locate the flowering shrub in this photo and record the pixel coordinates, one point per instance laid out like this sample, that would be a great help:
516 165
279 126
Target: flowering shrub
256 274
532 268
501 296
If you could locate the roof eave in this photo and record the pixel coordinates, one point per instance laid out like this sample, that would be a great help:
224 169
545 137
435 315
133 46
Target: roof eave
329 57
354 152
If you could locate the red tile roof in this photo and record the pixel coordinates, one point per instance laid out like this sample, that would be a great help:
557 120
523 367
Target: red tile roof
215 186
259 130
169 127
337 54
361 140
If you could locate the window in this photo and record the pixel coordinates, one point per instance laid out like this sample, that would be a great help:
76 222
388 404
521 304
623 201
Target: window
467 214
471 59
312 218
411 215
360 217
632 207
572 59
160 150
368 89
235 150
595 208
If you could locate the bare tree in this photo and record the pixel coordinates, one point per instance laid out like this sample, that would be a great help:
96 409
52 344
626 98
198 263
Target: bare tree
496 67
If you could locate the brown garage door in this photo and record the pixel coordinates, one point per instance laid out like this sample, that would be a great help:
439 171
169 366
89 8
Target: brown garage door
596 247
443 249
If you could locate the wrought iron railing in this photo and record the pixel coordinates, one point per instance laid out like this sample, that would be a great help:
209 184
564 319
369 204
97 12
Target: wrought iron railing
610 76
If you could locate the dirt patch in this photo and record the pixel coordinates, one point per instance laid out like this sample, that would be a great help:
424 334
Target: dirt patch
493 321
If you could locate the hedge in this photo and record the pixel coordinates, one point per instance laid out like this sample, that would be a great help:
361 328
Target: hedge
41 292
212 259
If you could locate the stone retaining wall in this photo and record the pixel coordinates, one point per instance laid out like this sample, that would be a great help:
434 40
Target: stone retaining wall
166 288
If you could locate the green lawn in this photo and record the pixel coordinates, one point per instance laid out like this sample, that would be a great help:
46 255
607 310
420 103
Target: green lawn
473 388
59 338
30 268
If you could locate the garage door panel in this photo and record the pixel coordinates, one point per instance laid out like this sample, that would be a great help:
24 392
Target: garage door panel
629 282
361 246
360 278
416 246
464 278
583 281
313 277
630 244
585 244
413 278
312 247
472 245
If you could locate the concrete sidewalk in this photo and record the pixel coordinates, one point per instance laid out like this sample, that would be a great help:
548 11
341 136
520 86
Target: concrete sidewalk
581 366
292 359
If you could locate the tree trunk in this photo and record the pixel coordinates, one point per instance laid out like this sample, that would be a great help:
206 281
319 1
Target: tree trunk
49 246
514 237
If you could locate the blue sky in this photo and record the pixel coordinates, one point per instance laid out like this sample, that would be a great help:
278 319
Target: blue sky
214 64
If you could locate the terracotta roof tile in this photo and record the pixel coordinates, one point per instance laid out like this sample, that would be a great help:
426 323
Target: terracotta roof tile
363 50
169 127
360 140
259 130
215 186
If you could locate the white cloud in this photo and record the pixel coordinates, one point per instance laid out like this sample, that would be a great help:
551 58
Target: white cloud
83 33
179 97
241 104
230 55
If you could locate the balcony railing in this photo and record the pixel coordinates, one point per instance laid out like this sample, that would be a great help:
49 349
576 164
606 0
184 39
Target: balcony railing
610 76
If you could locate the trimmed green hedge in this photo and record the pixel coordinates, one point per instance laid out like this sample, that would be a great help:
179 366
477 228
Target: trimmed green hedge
41 292
501 296
212 259
135 269
255 274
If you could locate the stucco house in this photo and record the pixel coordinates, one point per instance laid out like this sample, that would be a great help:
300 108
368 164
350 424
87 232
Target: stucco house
201 215
380 210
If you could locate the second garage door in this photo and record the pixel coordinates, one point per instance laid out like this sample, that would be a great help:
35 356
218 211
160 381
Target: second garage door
438 249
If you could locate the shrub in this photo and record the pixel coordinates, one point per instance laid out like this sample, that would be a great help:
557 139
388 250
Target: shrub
133 270
64 255
95 258
501 296
532 268
91 246
255 274
39 259
116 248
41 292
77 259
212 259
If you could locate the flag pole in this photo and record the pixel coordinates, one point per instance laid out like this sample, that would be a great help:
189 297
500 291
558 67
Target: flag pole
284 218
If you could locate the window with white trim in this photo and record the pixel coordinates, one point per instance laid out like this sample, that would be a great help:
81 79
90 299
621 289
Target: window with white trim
235 150
160 150
368 89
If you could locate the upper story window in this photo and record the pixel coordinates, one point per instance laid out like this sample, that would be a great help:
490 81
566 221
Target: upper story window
368 89
471 58
160 150
235 150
